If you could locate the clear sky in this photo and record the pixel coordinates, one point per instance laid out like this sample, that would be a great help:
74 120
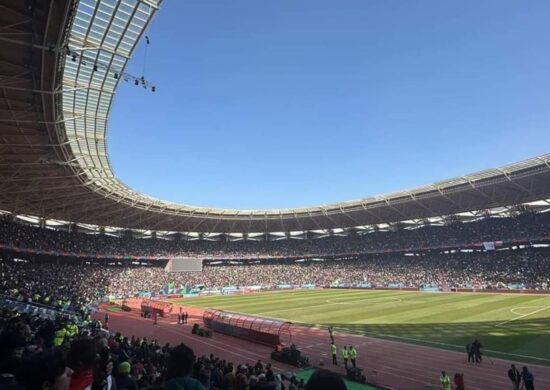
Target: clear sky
269 104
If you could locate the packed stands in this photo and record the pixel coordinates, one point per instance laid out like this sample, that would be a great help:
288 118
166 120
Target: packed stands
75 286
72 272
39 353
529 227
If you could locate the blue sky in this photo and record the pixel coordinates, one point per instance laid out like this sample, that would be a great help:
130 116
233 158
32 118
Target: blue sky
296 103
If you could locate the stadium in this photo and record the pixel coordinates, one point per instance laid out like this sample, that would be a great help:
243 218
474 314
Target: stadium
90 266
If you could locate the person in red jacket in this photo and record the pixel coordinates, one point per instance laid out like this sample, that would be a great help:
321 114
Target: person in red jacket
459 381
81 360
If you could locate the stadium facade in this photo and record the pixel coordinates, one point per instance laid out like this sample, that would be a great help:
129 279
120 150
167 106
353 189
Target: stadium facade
60 64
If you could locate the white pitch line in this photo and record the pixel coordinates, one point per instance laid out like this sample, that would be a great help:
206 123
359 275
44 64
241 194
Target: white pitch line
515 309
523 315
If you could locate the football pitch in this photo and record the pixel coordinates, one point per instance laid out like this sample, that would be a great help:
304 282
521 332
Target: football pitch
510 326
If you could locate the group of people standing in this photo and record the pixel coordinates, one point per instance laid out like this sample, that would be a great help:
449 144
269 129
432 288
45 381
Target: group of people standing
474 352
516 377
474 356
182 317
348 354
445 381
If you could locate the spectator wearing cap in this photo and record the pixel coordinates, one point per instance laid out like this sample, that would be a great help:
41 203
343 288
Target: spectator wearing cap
123 380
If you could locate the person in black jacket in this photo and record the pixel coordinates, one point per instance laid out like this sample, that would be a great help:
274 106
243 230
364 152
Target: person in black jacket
515 376
528 379
477 350
470 352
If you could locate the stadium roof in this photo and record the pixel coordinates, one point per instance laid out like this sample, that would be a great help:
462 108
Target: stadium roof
60 64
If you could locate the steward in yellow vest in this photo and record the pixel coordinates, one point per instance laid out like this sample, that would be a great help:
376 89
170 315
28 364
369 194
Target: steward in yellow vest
445 381
72 330
352 355
333 351
345 356
59 337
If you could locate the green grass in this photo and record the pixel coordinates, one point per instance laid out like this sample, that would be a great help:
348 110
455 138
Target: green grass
114 308
350 385
510 326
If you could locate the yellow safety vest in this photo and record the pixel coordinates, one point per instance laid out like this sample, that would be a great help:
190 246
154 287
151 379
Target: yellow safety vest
353 353
345 353
333 349
445 382
72 330
59 337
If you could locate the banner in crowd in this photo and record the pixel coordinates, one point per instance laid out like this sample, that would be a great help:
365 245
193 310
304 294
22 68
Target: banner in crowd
489 246
492 245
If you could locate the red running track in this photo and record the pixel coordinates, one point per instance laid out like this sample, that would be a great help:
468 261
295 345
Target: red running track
387 363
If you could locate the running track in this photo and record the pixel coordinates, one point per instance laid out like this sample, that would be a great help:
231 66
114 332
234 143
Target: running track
391 364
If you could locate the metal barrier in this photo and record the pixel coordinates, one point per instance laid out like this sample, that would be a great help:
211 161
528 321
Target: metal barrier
39 309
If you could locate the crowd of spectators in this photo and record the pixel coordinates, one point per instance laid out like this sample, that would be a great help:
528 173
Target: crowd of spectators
67 287
34 357
523 227
74 286
529 268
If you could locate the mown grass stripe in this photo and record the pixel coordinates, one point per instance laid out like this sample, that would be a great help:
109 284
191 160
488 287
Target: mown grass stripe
435 319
